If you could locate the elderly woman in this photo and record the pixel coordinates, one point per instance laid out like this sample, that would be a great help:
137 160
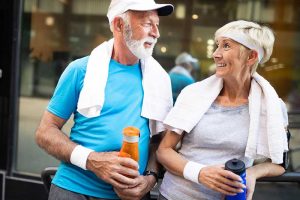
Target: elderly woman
235 113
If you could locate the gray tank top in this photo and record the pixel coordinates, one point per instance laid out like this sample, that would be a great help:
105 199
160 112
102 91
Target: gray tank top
219 136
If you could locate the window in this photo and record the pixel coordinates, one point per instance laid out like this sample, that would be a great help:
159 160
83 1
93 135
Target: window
55 32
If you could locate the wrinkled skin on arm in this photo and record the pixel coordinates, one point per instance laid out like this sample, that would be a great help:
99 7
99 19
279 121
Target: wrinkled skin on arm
106 165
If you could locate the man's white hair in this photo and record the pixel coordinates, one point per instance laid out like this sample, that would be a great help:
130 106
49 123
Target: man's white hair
259 36
124 16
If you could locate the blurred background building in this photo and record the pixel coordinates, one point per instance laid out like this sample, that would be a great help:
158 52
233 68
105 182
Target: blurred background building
40 37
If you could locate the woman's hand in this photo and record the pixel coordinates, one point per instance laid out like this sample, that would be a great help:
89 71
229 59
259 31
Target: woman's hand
218 179
255 172
250 181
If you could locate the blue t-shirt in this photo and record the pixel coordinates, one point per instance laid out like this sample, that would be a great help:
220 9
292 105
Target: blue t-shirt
178 82
122 107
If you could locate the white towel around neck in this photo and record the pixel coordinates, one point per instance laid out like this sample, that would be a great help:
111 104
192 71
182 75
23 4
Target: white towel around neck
157 100
267 136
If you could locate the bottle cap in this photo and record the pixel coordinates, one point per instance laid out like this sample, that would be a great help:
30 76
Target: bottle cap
131 131
236 166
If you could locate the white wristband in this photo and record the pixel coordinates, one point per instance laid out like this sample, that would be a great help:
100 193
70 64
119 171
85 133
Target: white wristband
79 156
191 171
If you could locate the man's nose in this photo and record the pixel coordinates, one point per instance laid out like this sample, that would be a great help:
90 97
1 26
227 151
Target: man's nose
155 32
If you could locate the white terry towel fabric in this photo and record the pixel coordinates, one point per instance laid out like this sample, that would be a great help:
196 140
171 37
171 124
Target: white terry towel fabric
157 100
268 118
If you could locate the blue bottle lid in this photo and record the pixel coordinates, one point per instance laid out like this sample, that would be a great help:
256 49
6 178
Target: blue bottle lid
236 166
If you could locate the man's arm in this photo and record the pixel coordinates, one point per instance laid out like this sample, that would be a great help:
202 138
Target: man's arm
153 164
106 165
146 183
50 137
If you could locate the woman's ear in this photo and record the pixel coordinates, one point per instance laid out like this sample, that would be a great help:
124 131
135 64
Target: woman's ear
252 58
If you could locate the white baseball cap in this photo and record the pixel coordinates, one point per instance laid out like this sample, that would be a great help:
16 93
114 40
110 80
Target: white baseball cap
118 7
185 58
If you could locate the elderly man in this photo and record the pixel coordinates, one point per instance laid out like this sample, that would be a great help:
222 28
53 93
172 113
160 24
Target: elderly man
118 85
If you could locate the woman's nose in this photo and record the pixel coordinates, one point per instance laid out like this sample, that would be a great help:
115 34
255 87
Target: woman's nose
217 53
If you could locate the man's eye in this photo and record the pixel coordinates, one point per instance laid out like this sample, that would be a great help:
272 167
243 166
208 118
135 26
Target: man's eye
147 24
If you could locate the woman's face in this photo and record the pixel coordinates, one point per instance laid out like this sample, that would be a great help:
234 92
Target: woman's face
230 58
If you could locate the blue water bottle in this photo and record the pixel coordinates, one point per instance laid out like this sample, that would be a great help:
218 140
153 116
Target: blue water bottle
238 167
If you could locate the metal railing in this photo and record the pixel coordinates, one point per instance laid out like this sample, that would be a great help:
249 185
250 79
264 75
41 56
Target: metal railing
286 177
293 177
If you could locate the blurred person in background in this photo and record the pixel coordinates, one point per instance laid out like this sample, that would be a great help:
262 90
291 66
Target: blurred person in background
294 97
182 74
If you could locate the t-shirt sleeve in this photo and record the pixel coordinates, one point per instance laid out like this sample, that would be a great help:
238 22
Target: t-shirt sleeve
64 100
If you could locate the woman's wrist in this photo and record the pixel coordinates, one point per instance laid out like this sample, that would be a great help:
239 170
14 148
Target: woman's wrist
192 170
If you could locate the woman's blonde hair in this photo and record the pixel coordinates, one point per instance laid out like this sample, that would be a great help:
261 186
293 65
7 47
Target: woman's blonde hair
256 34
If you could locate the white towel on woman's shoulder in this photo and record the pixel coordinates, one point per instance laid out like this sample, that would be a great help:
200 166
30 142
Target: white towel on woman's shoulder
267 136
157 100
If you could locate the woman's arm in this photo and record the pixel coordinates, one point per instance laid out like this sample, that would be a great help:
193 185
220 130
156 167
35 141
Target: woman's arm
167 155
266 169
214 177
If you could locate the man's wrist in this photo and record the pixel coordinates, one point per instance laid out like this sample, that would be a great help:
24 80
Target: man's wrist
154 175
151 173
79 156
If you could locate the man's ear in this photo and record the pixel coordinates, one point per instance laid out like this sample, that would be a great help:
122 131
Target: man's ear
118 24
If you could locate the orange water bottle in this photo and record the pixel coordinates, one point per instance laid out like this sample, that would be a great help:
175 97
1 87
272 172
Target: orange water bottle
130 146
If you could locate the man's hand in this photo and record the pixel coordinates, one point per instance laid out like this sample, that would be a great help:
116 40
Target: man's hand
118 171
221 180
145 184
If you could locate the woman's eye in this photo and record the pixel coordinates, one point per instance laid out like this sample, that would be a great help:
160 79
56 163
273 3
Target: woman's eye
226 46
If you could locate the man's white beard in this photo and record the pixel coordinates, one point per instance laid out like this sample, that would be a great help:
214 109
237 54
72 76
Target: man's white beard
137 47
